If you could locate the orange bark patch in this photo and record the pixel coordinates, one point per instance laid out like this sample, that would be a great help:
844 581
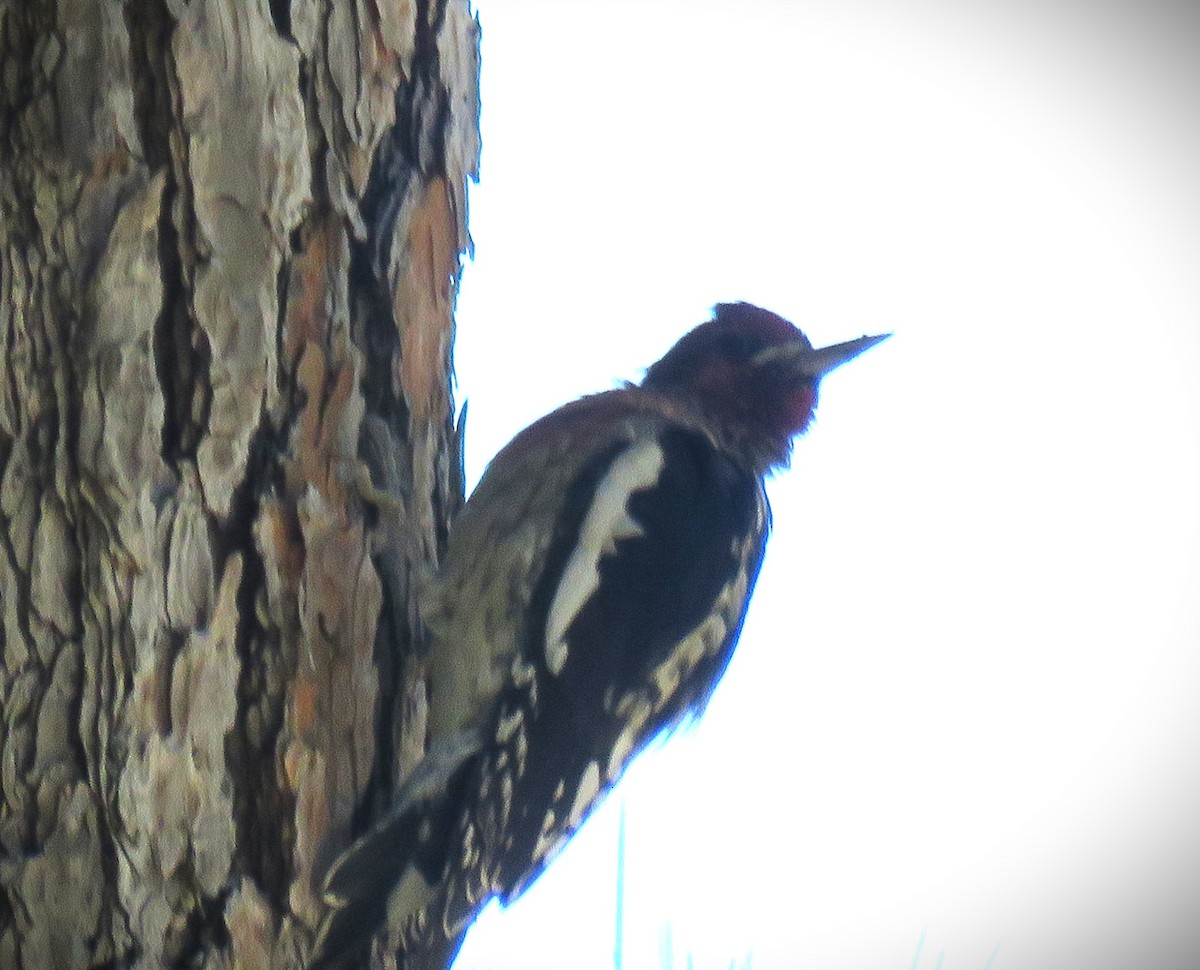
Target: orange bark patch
424 300
307 318
304 706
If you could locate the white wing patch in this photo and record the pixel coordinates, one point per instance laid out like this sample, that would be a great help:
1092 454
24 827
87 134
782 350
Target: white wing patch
585 794
553 836
607 521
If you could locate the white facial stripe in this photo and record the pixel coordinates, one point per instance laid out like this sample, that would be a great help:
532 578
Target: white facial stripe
607 521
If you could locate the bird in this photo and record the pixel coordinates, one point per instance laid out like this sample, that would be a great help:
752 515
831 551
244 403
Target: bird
590 598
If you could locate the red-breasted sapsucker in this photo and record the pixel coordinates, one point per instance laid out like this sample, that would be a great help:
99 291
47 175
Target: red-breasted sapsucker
590 597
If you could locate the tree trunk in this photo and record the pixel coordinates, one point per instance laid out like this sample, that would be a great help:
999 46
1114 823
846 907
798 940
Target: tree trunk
230 238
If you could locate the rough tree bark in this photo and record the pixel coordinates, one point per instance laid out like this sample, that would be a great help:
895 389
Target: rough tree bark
230 232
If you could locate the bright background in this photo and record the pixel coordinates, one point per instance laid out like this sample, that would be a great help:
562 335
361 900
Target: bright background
963 726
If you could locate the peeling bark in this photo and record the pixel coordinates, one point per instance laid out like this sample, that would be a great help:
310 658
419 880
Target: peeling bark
230 234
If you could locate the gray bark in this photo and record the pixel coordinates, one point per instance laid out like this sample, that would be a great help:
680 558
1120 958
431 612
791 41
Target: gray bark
229 232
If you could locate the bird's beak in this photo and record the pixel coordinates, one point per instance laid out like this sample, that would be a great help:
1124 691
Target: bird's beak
815 363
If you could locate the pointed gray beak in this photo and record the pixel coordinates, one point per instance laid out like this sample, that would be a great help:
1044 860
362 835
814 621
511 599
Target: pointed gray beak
819 362
815 363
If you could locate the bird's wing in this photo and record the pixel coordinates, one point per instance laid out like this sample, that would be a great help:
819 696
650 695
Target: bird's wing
633 621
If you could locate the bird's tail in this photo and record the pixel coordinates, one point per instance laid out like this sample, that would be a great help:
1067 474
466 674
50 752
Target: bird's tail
393 872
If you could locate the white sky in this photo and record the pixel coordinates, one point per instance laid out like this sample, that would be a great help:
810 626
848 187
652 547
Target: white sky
966 705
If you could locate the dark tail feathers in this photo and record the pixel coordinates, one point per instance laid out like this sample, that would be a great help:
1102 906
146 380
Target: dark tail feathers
414 836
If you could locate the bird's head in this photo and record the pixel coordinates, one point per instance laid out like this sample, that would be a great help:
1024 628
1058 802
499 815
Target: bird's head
753 372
